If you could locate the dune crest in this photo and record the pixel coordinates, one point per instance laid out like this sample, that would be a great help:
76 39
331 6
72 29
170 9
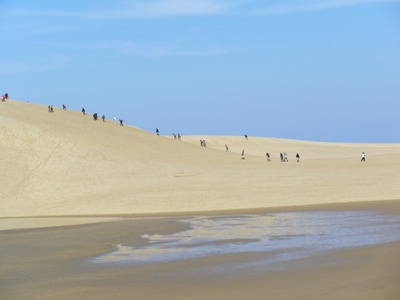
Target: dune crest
65 163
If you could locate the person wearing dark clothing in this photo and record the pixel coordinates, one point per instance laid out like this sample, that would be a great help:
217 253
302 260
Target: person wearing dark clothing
121 122
95 116
64 107
268 156
103 117
298 157
83 111
157 131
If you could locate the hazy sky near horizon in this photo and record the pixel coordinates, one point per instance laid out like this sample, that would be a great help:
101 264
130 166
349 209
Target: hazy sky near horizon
322 70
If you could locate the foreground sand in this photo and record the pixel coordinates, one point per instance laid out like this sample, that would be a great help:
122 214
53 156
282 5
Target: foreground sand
64 163
53 263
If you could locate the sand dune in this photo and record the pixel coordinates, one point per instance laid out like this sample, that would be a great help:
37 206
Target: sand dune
64 163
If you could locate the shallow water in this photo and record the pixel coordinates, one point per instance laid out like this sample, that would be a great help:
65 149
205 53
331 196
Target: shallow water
286 236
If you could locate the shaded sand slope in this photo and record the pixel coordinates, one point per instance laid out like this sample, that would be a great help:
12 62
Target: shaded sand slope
64 163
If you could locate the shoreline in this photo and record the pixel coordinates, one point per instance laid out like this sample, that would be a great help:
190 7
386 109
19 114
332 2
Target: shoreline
31 222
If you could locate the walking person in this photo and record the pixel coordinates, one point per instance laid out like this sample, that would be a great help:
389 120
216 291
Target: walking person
157 131
362 157
298 157
83 111
268 156
103 117
226 148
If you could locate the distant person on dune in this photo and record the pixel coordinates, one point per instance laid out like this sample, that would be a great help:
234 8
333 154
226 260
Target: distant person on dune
226 148
103 117
95 116
285 158
64 107
268 156
242 154
121 122
157 131
83 111
298 157
363 157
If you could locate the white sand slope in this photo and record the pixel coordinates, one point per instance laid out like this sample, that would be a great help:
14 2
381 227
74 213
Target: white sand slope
64 163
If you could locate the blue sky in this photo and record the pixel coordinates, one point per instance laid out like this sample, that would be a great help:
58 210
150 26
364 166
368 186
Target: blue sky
326 70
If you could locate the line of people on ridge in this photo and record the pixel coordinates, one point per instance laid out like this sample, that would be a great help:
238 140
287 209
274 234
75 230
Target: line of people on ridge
95 115
283 156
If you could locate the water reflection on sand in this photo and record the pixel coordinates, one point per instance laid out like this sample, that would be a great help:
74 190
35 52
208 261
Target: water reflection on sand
286 236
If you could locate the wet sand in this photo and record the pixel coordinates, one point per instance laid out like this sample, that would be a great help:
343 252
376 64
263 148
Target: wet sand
56 263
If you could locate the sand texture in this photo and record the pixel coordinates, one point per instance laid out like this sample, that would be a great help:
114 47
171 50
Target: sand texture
65 163
64 168
55 263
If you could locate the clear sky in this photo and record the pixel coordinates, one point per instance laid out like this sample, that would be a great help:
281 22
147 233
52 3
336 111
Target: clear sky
322 70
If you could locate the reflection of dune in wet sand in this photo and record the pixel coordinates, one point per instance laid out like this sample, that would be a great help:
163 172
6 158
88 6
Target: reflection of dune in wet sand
64 163
290 236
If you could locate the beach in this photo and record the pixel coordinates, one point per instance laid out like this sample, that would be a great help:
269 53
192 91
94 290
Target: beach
75 190
58 263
